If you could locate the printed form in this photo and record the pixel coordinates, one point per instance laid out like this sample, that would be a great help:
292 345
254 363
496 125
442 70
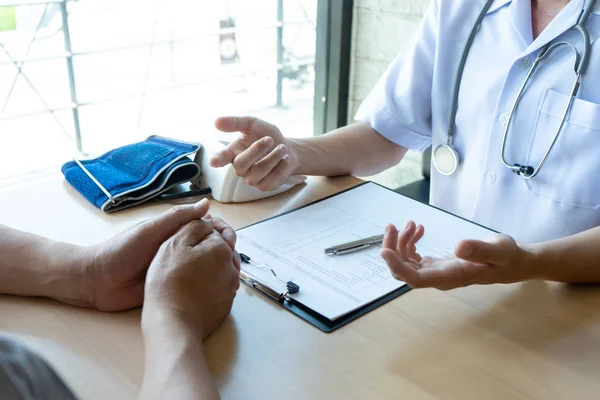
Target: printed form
293 246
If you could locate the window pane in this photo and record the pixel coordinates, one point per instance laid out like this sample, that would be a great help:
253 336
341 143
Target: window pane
40 86
158 67
34 143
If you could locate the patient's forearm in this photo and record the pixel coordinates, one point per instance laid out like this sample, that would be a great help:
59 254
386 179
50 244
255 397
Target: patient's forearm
34 266
175 367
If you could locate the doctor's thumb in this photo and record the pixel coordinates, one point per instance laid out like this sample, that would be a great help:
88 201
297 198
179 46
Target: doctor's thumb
476 251
497 251
218 160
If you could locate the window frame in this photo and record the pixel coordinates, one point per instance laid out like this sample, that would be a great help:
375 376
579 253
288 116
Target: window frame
332 64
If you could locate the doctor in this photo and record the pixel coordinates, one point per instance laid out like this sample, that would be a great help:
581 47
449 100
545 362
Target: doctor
508 94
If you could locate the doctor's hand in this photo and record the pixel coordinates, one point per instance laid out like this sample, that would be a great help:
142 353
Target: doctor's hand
261 155
499 260
114 276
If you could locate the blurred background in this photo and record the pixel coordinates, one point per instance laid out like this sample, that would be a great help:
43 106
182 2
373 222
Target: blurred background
79 77
142 67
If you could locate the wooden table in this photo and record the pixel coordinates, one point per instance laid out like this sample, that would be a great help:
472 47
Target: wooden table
530 340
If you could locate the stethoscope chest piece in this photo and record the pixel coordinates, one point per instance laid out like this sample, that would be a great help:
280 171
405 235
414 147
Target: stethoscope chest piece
446 159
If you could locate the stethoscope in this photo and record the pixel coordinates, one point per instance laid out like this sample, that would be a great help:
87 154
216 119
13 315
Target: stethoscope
446 158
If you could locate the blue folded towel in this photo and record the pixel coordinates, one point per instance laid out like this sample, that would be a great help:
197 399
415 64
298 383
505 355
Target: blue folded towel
134 173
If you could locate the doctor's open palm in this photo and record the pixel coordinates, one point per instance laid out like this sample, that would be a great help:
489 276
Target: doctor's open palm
499 260
261 155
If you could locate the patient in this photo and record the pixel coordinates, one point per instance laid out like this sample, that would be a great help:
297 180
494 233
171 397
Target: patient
181 265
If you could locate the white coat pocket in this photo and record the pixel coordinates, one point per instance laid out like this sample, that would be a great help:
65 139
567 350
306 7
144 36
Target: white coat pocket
571 174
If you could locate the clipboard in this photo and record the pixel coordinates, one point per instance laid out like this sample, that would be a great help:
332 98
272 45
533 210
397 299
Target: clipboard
300 310
311 316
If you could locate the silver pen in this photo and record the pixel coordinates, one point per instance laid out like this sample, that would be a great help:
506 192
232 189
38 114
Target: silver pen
356 245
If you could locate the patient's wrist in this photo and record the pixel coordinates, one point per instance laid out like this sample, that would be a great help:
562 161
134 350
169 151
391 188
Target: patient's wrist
65 277
158 318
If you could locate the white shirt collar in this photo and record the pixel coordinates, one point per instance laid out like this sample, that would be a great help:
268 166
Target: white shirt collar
501 3
497 4
565 20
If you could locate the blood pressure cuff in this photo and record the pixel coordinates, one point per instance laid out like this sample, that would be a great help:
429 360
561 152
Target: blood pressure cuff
134 173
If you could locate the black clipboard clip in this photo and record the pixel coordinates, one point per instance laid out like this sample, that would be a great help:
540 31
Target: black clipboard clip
262 286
